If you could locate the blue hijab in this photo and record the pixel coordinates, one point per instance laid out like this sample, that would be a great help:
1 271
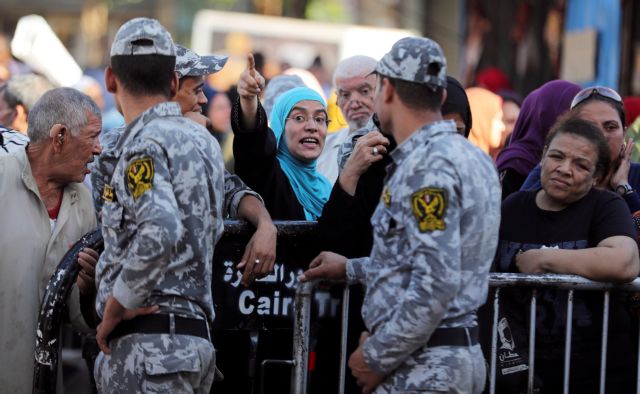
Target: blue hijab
311 188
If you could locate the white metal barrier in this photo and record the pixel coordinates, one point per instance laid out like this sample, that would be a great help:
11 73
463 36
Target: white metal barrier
570 283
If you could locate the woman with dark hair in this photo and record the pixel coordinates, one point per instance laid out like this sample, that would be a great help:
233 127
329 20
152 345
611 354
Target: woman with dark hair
573 228
456 107
603 106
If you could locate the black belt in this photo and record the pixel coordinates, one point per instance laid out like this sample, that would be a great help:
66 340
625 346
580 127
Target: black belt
454 336
160 324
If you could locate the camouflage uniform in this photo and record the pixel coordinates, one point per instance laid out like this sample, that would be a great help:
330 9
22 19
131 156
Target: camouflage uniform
162 217
104 166
11 140
435 235
188 63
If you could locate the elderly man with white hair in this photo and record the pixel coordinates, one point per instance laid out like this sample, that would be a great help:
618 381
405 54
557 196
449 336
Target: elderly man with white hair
355 84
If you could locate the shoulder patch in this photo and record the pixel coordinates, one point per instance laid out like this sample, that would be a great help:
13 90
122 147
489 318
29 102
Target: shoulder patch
429 206
386 197
107 193
140 176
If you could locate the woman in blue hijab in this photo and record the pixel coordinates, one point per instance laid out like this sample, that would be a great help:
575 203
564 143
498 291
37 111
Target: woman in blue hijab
280 162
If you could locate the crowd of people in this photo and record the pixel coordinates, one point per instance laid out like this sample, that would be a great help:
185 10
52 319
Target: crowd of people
427 188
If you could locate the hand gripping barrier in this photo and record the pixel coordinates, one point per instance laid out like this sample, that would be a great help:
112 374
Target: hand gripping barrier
52 312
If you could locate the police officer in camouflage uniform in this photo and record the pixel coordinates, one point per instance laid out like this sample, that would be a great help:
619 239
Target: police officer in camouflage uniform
161 219
435 235
240 202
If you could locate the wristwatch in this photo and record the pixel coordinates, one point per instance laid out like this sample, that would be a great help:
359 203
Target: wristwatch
624 189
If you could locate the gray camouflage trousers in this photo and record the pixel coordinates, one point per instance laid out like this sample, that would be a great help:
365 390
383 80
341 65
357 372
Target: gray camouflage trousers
156 363
443 369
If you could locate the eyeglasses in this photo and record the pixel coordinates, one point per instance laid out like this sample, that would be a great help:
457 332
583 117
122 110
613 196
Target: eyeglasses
319 121
602 91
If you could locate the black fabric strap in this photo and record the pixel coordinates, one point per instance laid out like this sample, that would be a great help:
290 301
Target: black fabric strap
454 336
160 324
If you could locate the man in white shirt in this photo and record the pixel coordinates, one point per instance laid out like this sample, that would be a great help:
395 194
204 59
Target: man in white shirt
45 209
355 85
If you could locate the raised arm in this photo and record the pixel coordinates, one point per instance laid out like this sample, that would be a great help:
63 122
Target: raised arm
250 84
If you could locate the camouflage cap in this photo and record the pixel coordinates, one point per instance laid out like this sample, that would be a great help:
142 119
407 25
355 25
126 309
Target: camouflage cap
415 59
189 63
142 36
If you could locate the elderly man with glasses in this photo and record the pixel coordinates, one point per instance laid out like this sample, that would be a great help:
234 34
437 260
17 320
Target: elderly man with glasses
355 84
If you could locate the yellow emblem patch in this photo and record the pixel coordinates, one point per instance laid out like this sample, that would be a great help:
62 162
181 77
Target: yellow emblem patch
140 176
429 206
107 193
386 197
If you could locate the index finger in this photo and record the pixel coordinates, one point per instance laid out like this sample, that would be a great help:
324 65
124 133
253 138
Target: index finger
251 64
248 275
307 275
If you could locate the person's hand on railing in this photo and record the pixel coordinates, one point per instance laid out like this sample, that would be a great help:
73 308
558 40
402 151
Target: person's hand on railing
259 254
531 261
87 259
365 377
326 265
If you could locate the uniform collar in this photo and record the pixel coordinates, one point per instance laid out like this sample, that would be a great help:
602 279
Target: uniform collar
420 137
157 111
170 108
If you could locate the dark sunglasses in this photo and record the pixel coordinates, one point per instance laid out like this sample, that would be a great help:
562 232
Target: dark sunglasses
602 91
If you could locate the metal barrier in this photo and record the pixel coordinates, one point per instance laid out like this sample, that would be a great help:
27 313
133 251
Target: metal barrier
297 247
566 282
302 323
498 281
52 311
